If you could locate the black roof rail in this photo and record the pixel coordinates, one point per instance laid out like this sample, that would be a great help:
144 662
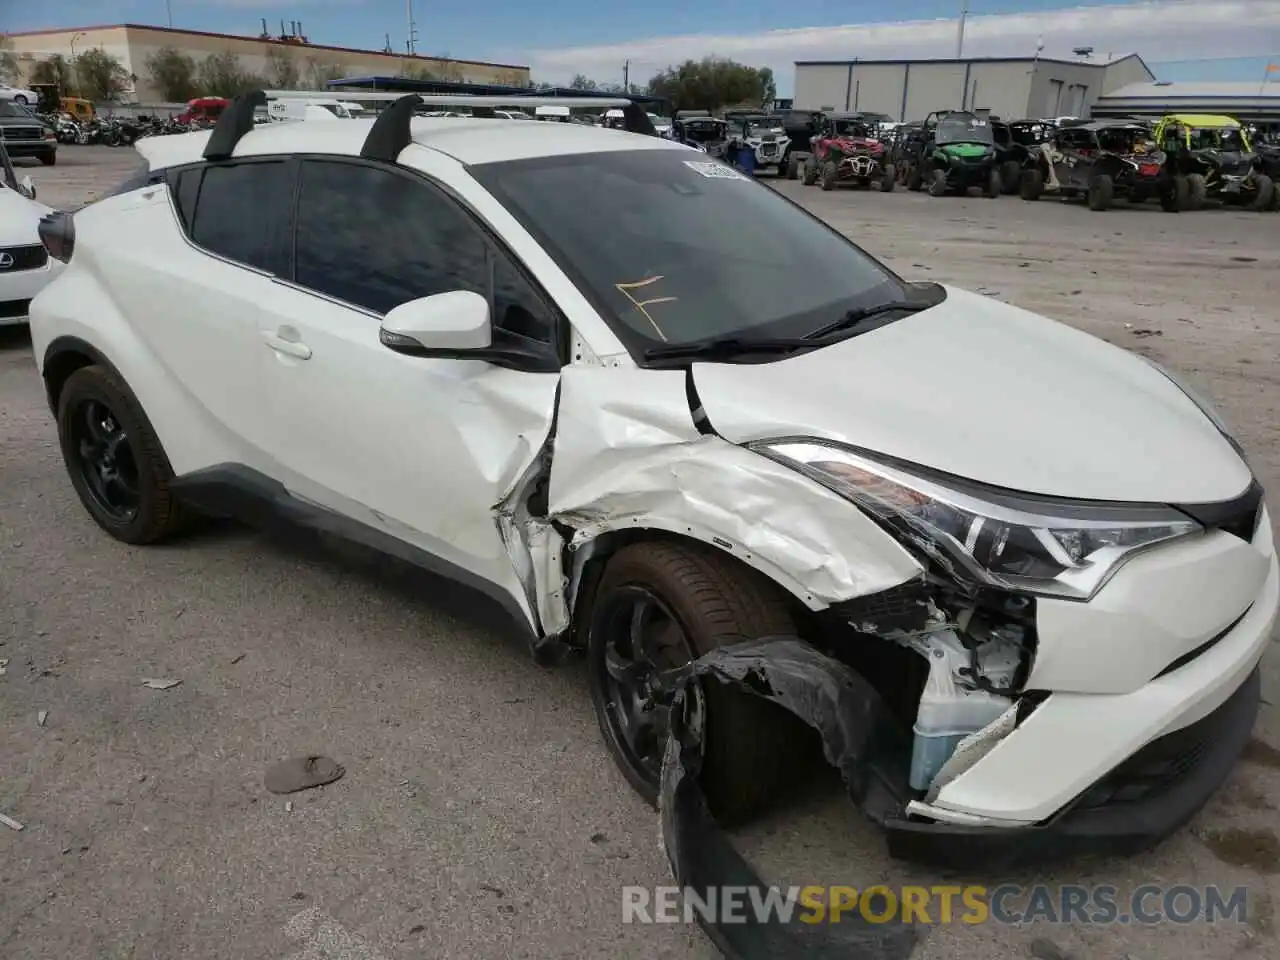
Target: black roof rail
235 122
636 120
390 132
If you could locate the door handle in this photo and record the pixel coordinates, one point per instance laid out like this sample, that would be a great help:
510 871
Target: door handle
285 340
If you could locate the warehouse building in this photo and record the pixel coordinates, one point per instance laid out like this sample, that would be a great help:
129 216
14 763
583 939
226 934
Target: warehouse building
315 63
1009 87
1256 102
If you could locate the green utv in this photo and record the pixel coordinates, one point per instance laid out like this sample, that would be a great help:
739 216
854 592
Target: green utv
957 151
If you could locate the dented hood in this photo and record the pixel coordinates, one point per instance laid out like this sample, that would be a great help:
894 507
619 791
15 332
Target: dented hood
984 390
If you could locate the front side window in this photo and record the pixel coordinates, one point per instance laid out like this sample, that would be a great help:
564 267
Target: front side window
376 239
242 211
674 249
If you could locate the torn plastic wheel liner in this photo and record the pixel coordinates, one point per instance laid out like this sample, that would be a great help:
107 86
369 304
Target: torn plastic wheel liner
853 722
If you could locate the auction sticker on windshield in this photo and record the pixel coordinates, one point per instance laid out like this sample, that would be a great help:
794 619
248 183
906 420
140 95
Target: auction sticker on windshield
714 171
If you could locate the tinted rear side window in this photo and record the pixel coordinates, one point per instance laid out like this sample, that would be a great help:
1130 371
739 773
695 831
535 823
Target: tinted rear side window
244 212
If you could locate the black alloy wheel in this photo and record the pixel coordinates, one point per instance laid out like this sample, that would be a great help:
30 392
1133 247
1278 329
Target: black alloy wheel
641 638
105 460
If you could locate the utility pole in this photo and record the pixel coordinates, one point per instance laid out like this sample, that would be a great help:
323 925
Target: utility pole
626 77
168 9
964 15
412 43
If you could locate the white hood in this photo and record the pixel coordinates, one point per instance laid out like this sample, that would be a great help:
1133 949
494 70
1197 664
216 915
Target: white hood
980 389
19 219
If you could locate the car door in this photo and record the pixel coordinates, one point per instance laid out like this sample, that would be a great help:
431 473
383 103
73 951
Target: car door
420 449
191 279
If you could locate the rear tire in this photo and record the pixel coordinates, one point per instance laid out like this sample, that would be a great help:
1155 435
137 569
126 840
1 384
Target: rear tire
137 461
888 178
1175 196
1101 192
915 182
810 172
793 169
751 747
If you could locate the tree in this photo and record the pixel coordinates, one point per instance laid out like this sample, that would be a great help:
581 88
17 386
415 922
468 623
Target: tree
318 73
57 71
99 75
173 73
282 70
581 82
223 76
712 83
8 61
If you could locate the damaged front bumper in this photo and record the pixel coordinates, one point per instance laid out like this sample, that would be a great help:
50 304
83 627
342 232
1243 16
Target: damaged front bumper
1131 808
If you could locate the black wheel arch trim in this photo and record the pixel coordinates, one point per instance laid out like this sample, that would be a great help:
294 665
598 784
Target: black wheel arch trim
65 346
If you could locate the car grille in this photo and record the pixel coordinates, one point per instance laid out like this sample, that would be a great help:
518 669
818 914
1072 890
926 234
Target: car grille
21 133
31 257
14 308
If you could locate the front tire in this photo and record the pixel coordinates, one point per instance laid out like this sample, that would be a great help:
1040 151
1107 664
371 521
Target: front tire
1264 198
50 158
793 169
1032 184
1101 192
115 460
938 183
1197 191
810 173
995 185
829 173
666 603
888 178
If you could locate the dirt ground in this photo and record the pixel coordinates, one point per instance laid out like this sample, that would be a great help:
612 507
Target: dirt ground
480 815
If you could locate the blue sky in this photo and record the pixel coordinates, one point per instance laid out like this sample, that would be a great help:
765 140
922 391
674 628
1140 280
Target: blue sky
1188 39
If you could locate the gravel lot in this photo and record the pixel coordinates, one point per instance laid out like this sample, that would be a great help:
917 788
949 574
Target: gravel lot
479 815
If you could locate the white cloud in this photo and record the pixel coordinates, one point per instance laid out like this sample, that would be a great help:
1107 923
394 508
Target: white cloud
1160 30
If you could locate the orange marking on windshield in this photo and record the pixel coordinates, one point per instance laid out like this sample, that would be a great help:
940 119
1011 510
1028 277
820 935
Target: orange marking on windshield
626 288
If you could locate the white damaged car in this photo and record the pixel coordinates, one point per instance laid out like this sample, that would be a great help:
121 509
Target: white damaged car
659 412
25 265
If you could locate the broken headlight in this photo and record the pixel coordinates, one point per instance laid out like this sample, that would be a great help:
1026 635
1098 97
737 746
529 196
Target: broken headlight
1038 545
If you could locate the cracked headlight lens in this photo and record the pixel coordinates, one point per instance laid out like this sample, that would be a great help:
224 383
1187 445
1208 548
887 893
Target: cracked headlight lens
1037 545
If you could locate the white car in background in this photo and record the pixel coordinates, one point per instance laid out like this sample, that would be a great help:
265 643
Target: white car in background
28 98
655 409
25 265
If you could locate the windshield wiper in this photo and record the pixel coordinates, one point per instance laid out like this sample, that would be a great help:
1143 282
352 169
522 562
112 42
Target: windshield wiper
852 318
721 348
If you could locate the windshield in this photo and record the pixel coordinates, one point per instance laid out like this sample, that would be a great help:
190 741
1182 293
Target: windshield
763 128
963 130
850 128
674 250
704 132
1218 138
10 109
1125 140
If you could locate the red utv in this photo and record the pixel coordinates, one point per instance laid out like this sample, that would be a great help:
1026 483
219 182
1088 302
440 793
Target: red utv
847 151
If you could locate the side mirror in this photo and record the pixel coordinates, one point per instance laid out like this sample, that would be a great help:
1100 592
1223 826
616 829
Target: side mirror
442 325
28 187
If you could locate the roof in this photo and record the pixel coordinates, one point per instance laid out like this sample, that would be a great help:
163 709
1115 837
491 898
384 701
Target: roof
469 141
856 62
1206 120
1244 101
255 39
409 85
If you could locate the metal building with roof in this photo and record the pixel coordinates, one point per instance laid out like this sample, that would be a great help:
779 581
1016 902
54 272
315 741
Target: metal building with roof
1257 102
1011 87
410 85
